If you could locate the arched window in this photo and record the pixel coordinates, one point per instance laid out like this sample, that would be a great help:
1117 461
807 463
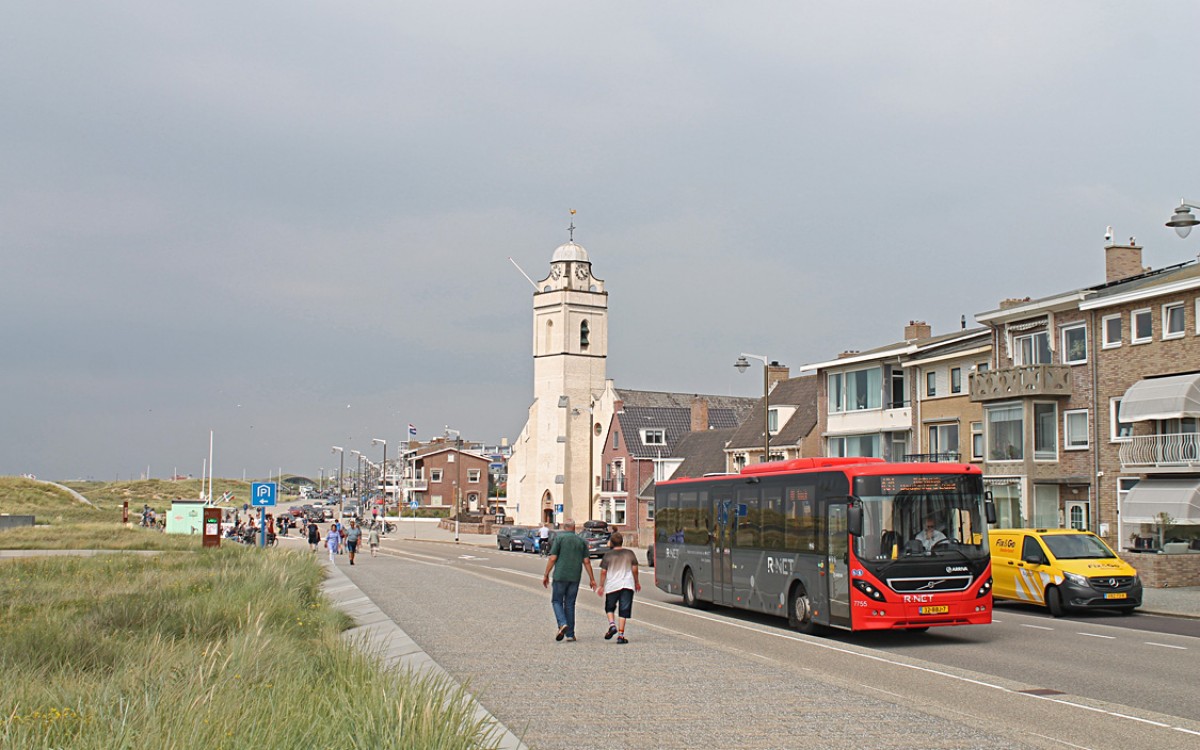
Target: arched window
583 335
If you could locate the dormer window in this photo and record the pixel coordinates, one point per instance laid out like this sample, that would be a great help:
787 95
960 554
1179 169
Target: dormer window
654 437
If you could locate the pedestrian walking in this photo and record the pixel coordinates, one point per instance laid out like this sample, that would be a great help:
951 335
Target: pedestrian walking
353 534
333 540
314 536
618 582
373 538
568 557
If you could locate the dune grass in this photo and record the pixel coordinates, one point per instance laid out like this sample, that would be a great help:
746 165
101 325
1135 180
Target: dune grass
216 648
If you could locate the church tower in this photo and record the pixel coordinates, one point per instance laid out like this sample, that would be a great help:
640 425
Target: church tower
551 471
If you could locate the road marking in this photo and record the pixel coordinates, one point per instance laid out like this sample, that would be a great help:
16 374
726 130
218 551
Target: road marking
1165 645
1061 742
1036 627
1095 635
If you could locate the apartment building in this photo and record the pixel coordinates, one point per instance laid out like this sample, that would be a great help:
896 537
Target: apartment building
1091 403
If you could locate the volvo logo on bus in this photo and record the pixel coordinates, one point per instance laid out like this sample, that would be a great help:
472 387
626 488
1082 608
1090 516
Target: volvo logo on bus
957 569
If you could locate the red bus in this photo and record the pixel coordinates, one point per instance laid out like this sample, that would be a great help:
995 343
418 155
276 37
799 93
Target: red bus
849 543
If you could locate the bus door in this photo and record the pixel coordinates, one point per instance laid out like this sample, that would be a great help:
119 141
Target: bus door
722 564
837 564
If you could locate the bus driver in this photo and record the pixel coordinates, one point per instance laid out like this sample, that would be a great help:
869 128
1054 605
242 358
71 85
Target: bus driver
930 536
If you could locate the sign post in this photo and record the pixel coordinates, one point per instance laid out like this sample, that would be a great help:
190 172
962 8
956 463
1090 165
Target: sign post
414 505
262 496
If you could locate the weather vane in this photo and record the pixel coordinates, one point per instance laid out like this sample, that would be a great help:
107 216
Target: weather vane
571 228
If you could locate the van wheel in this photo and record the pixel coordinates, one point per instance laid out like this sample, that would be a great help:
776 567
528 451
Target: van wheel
800 611
689 590
1054 602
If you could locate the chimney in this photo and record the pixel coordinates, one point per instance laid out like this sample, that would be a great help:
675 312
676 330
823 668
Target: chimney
1013 302
917 329
775 373
699 414
1122 261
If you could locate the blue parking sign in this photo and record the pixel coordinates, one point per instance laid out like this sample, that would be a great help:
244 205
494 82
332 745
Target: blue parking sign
262 494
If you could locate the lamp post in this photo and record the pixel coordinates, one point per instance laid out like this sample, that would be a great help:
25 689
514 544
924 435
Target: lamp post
358 476
1183 221
383 470
341 470
741 364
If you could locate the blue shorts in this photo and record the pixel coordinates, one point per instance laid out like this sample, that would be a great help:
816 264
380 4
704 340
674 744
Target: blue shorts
620 601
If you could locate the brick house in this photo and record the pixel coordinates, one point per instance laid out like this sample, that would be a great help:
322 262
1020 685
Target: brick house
445 475
792 415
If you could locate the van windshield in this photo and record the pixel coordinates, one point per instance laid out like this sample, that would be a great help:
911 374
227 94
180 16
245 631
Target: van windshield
1077 547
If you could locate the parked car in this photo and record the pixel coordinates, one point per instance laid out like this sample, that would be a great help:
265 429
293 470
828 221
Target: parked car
596 534
351 510
530 542
506 534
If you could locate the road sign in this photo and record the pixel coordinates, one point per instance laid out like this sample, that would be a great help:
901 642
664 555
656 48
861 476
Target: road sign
558 508
414 504
262 494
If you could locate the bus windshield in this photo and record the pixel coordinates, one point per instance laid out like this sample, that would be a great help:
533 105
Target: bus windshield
921 515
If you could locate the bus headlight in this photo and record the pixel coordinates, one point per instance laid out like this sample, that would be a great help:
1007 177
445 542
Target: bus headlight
985 588
869 590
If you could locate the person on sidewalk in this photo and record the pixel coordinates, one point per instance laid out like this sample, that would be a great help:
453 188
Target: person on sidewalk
618 582
333 540
314 536
352 536
568 556
373 538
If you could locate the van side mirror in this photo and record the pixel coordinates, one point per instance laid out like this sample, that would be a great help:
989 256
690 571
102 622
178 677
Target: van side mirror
1033 559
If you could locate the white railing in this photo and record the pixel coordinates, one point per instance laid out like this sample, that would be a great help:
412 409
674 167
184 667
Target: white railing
1172 452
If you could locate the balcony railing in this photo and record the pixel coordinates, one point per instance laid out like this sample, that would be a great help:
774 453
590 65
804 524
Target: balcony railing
1017 382
1169 453
613 484
948 457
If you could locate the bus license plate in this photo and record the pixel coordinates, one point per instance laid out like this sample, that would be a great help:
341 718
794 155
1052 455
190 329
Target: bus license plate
940 610
1114 596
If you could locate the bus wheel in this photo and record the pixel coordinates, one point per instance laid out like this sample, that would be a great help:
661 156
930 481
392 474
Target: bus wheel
1054 602
800 611
689 590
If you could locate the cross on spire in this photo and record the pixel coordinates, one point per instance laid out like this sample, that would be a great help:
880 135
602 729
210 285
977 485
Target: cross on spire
571 229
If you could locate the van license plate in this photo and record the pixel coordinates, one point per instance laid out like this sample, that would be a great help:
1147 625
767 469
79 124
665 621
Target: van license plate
1114 596
934 610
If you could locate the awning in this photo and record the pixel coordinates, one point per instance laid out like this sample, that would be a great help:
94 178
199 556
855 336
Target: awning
1178 498
1161 398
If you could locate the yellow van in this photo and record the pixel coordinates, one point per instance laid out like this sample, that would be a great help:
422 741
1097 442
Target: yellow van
1063 569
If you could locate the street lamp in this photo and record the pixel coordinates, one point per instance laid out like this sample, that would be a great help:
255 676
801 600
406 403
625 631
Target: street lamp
383 470
1183 221
358 476
741 366
341 470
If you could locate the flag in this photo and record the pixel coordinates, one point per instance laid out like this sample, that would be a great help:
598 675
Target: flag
412 429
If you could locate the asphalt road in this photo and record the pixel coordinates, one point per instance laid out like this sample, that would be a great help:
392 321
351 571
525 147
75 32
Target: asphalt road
730 679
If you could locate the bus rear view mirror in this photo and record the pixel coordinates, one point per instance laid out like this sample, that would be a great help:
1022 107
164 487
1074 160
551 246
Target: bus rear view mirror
854 520
989 507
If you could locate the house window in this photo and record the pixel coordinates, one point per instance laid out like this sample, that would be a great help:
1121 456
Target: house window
616 439
983 367
1074 345
1033 349
1173 324
650 511
473 476
1005 432
899 388
1075 429
977 441
856 391
931 384
772 421
1118 431
654 437
739 461
956 380
854 445
435 475
1142 325
1045 432
943 438
1111 325
899 446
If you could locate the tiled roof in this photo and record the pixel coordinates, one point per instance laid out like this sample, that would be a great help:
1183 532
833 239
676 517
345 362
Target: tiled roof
799 392
675 422
740 405
702 453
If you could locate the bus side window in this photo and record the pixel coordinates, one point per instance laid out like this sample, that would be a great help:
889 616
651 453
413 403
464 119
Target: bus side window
772 517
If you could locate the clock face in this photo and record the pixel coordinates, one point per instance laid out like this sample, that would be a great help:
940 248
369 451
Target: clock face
581 272
555 272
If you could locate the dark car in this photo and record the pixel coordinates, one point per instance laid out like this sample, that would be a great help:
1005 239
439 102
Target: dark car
596 534
505 535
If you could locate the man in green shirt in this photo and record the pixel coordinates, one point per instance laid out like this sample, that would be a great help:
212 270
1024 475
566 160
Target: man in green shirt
568 555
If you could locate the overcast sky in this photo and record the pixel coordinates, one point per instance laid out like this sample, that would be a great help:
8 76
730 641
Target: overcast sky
289 222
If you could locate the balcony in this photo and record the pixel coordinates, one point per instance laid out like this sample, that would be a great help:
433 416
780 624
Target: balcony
613 484
1021 382
950 457
1178 453
415 485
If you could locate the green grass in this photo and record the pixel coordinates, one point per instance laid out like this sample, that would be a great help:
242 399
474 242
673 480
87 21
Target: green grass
217 648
